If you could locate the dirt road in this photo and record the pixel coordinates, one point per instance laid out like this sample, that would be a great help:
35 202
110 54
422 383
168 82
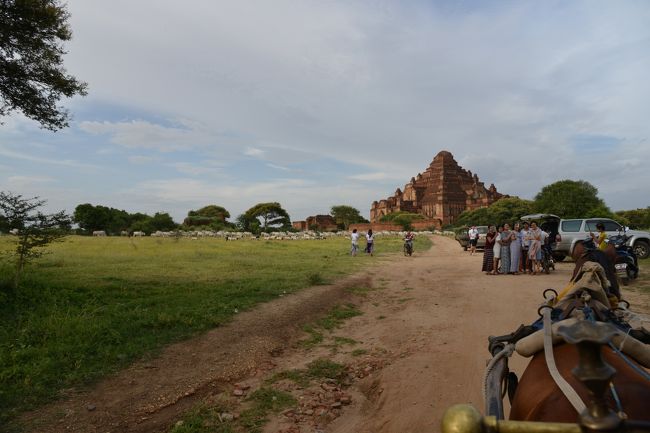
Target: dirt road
419 347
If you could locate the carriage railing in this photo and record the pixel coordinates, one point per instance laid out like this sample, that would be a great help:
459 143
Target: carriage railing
464 418
592 371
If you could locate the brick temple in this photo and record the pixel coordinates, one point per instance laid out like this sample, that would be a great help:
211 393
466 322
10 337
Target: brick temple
441 193
323 223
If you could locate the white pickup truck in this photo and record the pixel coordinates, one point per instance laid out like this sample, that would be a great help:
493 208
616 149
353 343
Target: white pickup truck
578 229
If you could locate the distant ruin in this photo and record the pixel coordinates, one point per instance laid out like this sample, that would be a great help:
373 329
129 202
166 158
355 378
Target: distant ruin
440 194
321 223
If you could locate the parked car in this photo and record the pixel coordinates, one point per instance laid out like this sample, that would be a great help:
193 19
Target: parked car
578 229
462 236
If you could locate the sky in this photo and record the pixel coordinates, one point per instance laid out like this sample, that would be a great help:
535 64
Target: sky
321 103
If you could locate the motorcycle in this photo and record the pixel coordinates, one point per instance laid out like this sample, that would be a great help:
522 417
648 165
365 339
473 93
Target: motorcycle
627 265
408 247
548 262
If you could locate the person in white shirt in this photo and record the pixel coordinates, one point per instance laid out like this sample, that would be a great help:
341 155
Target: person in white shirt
497 251
473 240
370 242
355 242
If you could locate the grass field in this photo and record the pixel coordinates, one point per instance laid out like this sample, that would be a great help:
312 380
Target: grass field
94 305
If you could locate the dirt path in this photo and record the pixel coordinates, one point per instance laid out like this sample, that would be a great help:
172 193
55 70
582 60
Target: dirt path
423 334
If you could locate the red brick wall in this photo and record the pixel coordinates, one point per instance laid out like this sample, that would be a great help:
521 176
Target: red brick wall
376 227
426 224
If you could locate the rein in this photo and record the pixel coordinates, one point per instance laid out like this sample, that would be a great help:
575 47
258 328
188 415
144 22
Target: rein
564 386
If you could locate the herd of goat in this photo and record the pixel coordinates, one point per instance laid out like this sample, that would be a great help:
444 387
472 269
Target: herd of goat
233 236
279 235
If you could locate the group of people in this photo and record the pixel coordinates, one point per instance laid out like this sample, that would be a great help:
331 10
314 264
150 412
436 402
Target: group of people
370 242
512 251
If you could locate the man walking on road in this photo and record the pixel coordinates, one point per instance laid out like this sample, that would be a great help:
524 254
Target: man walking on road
473 240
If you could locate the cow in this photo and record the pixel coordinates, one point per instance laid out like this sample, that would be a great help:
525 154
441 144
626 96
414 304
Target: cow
99 233
138 234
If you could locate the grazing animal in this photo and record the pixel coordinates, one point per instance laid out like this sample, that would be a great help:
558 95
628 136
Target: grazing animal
538 398
138 234
99 233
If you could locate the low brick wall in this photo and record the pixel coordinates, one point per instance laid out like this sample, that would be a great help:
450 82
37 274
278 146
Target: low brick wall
426 225
417 225
376 227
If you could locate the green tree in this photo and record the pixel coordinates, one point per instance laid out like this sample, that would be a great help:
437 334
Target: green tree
162 221
476 217
505 210
36 229
32 76
212 215
346 215
213 211
571 199
636 219
247 223
113 221
509 210
269 215
90 218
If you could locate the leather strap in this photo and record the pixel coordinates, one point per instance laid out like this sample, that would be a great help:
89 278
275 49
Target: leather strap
564 386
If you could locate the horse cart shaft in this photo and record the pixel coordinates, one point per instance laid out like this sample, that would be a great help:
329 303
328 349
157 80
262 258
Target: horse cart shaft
464 418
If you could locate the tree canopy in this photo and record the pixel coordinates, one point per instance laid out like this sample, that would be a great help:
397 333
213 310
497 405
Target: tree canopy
211 215
505 210
32 76
160 221
269 215
636 218
211 211
571 199
114 221
565 198
345 215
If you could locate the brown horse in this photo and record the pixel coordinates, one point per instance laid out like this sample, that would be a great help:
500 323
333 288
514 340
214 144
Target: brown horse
538 398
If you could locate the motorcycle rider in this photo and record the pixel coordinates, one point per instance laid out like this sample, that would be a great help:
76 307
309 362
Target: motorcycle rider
408 240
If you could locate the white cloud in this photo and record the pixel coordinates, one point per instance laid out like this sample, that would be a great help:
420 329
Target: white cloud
383 85
373 176
280 167
192 169
19 183
141 159
140 134
14 154
251 151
